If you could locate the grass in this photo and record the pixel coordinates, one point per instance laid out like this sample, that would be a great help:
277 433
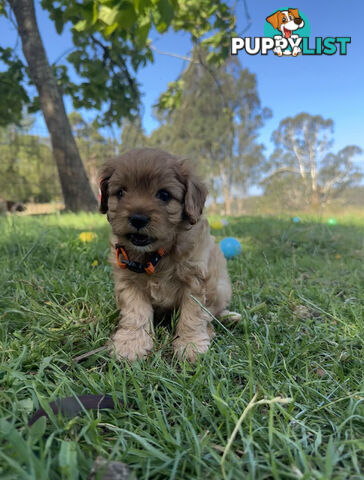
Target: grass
278 396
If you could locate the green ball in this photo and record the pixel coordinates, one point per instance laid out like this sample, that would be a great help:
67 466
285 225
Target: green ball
332 221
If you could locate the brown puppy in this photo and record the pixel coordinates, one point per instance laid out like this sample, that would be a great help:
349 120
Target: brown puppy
164 252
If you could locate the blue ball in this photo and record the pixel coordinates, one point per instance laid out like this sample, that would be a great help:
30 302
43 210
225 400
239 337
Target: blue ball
296 219
230 247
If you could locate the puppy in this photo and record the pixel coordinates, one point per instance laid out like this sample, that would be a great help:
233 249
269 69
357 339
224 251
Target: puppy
286 21
162 252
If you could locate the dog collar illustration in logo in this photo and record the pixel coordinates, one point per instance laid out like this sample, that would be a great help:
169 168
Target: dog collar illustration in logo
292 25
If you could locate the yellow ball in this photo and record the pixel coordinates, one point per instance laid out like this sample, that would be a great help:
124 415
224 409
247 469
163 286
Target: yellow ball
87 236
216 224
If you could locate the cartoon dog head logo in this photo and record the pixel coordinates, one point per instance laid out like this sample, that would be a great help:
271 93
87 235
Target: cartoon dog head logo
286 22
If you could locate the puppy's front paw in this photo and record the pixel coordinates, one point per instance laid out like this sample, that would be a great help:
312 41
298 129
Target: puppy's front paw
131 344
189 350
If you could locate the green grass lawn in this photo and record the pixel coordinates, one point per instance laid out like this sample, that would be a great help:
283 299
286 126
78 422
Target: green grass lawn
300 291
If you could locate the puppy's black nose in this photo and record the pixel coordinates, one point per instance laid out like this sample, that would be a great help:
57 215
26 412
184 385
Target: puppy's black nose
298 20
138 220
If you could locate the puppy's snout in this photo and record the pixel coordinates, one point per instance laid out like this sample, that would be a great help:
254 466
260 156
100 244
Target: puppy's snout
298 21
139 220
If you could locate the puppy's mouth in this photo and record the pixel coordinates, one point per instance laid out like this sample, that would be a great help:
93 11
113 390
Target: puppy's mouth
139 239
287 33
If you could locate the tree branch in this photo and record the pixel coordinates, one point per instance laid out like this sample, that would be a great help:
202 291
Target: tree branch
341 177
175 55
300 163
123 66
282 170
248 19
63 54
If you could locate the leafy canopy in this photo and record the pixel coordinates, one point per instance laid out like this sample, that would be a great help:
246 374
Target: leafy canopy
110 39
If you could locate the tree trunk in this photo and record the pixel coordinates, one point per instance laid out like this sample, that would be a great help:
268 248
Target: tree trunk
226 192
240 205
76 188
228 199
315 197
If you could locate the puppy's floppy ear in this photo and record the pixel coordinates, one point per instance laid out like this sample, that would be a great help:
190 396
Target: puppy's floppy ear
195 197
104 176
274 19
294 12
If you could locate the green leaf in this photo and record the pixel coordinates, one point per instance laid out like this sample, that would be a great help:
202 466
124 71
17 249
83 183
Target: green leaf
38 428
5 427
68 460
142 33
26 404
167 12
141 5
2 9
108 15
110 29
127 17
13 437
58 21
152 451
95 12
80 26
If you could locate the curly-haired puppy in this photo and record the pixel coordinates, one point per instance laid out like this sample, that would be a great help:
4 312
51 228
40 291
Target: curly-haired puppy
162 252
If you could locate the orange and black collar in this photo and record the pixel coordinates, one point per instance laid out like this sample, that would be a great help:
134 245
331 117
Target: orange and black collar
148 267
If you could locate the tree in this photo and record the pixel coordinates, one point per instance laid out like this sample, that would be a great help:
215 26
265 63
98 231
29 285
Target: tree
111 43
132 135
12 93
76 189
338 172
94 148
216 123
304 171
27 170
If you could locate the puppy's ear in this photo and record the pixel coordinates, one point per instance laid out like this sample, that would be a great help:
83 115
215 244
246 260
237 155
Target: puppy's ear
274 19
195 197
104 177
294 12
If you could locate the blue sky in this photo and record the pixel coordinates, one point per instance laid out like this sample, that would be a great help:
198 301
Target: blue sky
328 85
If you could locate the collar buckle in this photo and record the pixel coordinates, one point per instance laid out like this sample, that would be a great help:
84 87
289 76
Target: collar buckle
137 267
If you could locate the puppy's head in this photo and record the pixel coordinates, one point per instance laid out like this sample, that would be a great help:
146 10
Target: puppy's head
149 195
286 21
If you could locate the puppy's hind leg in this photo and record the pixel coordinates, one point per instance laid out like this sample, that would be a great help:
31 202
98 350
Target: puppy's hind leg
223 296
228 316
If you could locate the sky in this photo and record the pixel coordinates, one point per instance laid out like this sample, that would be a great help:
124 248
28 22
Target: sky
331 86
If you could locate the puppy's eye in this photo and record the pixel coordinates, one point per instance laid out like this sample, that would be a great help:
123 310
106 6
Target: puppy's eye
284 20
119 193
290 17
163 195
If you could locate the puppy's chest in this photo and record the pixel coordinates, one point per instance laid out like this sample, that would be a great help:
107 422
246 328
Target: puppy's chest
165 294
167 291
